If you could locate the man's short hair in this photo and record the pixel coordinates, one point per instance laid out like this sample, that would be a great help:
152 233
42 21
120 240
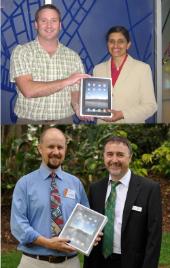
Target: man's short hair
47 6
117 139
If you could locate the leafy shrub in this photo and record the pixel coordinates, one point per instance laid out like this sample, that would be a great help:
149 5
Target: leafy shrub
84 158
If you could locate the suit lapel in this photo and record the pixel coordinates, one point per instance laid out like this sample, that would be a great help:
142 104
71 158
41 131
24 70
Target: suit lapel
132 193
127 68
108 68
101 196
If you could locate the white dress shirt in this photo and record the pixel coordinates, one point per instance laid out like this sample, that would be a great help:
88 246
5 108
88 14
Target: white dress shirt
121 193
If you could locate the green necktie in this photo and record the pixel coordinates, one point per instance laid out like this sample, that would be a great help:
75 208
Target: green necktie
108 230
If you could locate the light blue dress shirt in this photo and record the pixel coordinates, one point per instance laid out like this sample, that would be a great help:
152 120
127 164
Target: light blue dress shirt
30 213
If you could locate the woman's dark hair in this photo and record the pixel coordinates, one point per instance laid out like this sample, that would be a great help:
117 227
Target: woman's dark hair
118 29
48 6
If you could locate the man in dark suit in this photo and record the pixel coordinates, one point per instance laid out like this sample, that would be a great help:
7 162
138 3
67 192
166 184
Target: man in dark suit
137 213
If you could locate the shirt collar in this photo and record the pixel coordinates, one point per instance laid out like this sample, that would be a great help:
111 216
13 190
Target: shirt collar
113 65
42 49
125 179
46 171
39 47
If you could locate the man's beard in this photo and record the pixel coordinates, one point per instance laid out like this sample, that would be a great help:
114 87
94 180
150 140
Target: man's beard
53 166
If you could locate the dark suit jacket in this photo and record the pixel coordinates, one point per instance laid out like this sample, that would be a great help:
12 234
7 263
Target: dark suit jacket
141 231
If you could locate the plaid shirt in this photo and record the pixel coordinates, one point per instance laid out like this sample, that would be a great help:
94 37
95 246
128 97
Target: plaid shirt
31 58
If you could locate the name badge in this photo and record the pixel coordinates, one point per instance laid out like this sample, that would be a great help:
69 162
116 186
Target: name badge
136 208
69 193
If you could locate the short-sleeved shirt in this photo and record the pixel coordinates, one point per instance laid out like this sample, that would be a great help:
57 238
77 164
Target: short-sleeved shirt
32 59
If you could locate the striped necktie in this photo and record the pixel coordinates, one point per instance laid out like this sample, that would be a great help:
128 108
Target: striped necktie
109 228
56 213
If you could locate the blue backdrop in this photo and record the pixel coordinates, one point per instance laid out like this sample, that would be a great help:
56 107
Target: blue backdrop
84 25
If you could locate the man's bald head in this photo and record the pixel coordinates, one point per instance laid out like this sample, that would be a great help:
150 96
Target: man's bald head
52 147
53 131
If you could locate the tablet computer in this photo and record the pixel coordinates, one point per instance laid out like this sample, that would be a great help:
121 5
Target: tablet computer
82 228
96 97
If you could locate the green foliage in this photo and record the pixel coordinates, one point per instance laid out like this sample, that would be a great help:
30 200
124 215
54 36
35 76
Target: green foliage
137 167
154 163
19 156
84 158
159 160
147 136
85 154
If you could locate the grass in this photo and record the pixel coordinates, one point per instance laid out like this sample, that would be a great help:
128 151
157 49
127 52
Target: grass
165 250
11 259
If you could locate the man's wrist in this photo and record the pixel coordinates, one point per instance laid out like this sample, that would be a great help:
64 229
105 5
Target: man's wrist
43 241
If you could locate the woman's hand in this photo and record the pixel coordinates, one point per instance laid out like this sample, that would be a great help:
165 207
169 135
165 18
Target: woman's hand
116 115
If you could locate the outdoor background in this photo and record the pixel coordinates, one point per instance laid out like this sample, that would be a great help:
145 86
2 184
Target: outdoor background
151 157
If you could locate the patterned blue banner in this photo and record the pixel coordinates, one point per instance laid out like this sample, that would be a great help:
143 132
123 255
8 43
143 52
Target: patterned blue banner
84 25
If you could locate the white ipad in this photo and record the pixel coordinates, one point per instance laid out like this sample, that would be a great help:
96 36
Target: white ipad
82 228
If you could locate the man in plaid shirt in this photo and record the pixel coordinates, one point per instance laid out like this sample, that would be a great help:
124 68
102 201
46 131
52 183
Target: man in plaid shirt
46 73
